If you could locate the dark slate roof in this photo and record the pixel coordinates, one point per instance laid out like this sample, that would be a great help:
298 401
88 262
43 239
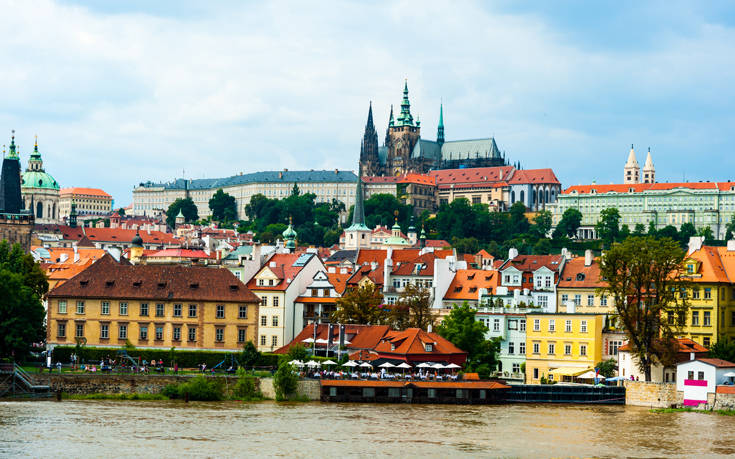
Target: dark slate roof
470 149
427 149
321 176
382 154
342 255
106 278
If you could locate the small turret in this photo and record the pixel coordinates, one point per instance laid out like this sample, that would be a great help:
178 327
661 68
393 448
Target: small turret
136 248
73 215
649 172
289 235
631 171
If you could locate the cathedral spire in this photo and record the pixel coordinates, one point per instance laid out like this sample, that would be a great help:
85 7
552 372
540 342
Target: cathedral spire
390 119
369 147
12 153
405 118
440 129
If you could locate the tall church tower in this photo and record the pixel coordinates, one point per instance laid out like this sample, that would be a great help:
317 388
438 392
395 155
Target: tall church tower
403 135
369 162
631 171
649 172
440 129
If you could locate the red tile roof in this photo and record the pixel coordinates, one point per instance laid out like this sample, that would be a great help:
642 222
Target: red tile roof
686 345
84 191
467 283
106 278
116 235
360 336
421 179
280 264
641 187
526 176
719 363
180 253
339 281
439 243
577 275
530 263
484 175
413 341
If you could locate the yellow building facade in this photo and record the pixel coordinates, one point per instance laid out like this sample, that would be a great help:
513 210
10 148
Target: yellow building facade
711 295
560 346
110 304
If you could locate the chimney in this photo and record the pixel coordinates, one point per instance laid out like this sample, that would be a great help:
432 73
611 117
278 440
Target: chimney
692 356
500 175
695 243
373 265
588 257
731 245
63 257
512 253
272 264
256 252
429 328
76 253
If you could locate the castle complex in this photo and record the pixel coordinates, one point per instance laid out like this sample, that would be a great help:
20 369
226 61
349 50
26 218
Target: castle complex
404 151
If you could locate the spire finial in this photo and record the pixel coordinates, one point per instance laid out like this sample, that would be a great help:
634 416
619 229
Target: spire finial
35 142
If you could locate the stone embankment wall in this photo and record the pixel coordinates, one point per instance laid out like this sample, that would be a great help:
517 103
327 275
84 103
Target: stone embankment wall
116 384
306 388
652 395
725 402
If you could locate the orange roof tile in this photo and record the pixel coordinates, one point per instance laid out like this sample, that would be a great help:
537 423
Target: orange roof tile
467 283
339 281
360 336
719 363
711 268
577 275
524 176
484 175
530 263
84 191
641 187
412 341
283 269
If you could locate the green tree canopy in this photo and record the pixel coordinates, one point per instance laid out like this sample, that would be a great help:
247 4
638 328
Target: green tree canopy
223 206
464 331
644 277
413 309
361 305
608 226
570 221
187 208
723 349
22 285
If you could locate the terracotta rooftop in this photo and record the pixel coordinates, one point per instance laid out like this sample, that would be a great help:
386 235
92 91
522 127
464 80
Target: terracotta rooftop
107 278
467 283
719 363
284 266
641 187
525 176
530 263
473 175
84 191
413 341
359 336
577 275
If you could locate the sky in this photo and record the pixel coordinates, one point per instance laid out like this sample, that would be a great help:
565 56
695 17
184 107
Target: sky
125 92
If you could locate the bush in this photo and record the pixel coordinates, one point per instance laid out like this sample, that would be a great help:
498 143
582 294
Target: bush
245 387
171 391
285 381
203 389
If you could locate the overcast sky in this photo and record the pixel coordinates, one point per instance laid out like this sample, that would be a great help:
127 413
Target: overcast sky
127 91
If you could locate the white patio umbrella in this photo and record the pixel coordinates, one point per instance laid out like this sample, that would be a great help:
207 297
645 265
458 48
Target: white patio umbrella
452 366
729 374
308 340
365 365
298 363
350 363
348 342
590 375
329 362
312 363
321 341
438 366
423 365
386 365
403 365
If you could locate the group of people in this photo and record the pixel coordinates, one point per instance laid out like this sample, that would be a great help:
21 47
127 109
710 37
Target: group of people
421 375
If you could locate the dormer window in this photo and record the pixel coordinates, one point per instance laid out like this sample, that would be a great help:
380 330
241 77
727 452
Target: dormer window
261 282
580 277
429 347
109 283
690 268
392 347
194 285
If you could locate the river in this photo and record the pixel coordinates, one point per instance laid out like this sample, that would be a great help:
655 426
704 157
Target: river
92 428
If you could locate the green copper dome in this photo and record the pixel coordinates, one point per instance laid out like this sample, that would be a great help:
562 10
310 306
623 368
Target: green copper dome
38 179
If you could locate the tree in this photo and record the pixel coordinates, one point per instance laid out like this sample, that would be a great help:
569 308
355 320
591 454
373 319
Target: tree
608 226
723 349
607 368
22 285
730 229
542 224
297 352
668 231
331 237
639 229
464 331
542 247
707 234
570 221
415 303
187 208
644 280
250 355
686 231
121 211
223 206
361 305
518 221
285 381
466 245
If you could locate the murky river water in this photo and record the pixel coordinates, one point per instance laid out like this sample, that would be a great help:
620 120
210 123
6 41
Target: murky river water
230 429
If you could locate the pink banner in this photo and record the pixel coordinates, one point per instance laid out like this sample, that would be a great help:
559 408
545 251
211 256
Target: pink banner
693 402
695 382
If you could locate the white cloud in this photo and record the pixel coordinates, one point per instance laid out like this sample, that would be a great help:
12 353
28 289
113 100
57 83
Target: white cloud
124 97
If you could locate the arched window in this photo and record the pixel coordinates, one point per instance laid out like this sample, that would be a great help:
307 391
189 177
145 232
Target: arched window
53 210
522 196
547 195
39 210
513 196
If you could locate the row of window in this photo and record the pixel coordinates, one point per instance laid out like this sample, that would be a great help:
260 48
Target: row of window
551 350
264 321
274 340
143 332
578 300
160 309
567 325
513 324
274 301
